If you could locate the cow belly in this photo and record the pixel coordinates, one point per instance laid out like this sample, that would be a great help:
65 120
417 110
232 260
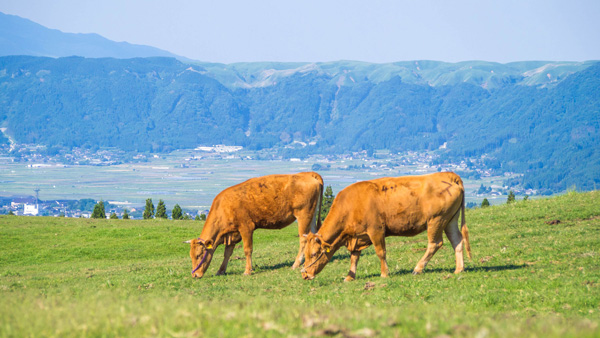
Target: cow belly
275 224
405 230
358 243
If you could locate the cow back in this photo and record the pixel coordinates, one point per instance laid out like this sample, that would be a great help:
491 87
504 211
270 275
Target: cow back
400 206
266 202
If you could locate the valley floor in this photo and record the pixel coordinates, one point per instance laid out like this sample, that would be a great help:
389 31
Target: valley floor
192 179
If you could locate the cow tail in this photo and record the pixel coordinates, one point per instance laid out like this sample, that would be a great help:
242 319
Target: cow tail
464 230
319 211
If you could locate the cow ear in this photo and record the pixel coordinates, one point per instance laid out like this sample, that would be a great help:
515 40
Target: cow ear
317 240
326 246
208 244
305 235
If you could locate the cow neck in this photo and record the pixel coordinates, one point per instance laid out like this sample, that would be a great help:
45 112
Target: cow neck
209 232
331 233
335 242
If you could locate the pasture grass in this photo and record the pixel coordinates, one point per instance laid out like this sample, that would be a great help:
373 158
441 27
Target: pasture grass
102 278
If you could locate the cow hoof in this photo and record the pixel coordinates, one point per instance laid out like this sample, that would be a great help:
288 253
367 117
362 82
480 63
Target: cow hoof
384 275
415 272
348 279
294 267
220 273
247 273
458 271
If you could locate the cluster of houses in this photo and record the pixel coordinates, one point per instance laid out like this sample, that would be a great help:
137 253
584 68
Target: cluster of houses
31 206
41 156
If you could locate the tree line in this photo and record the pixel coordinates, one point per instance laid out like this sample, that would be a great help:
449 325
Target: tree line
509 200
149 212
177 213
160 211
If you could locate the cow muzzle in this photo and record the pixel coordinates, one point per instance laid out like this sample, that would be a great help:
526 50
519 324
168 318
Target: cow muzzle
306 276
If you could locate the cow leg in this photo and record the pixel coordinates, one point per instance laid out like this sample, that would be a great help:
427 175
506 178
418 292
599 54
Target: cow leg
353 262
379 244
247 240
228 251
300 256
456 239
434 237
304 225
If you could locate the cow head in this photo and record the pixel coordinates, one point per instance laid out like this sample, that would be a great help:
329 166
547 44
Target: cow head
201 253
316 253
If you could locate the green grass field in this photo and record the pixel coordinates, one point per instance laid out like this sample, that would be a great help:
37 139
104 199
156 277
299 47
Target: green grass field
103 278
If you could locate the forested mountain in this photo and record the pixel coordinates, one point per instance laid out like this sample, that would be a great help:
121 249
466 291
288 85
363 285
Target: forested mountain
539 118
19 36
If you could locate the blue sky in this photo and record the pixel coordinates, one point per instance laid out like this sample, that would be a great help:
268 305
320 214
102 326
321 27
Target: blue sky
329 30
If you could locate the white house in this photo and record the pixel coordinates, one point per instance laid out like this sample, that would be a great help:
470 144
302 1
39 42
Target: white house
30 209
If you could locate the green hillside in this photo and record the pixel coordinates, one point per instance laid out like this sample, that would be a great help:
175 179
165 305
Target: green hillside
537 118
88 278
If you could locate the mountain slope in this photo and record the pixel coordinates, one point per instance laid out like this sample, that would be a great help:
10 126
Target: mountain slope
488 75
549 131
20 36
150 104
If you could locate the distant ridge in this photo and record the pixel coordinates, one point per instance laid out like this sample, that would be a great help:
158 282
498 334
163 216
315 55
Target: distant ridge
19 36
487 75
536 119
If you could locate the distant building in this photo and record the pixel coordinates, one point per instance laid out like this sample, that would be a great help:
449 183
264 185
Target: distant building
30 209
220 148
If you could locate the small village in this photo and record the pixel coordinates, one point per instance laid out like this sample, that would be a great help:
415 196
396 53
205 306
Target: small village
31 206
376 163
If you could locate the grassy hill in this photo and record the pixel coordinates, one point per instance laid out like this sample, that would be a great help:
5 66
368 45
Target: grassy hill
81 277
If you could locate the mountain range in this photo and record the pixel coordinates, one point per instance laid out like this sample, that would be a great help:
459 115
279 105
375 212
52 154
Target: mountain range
539 118
19 36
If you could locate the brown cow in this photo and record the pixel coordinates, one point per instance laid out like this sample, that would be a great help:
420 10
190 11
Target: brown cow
268 202
366 212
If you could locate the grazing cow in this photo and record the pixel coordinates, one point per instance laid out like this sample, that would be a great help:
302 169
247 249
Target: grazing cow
366 212
268 202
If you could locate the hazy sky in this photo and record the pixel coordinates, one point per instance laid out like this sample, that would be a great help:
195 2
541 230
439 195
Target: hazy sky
329 30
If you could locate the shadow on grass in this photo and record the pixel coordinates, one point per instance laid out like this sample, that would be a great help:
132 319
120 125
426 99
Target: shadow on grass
451 270
497 268
276 266
289 263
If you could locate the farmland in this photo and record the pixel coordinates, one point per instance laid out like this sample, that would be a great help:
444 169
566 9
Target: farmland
192 179
90 278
